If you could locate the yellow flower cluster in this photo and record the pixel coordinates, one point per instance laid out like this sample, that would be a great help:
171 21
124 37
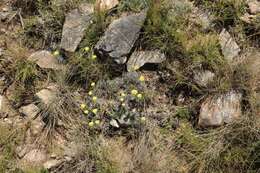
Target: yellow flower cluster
93 57
92 123
86 49
142 78
83 107
56 53
134 92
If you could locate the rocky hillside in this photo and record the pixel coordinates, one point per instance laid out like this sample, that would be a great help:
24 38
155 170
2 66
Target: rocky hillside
129 86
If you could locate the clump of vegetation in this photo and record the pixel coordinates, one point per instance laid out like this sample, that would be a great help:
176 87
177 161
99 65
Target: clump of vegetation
134 5
123 111
84 67
26 72
227 12
9 140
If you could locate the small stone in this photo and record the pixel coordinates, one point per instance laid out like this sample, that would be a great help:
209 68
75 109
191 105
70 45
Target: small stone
248 18
45 60
21 151
140 58
36 127
5 9
8 121
103 5
76 23
254 6
30 111
1 102
203 78
68 159
229 47
47 96
114 123
120 37
1 51
50 164
4 16
215 111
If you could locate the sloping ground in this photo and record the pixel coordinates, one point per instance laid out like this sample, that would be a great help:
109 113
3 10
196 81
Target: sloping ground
134 86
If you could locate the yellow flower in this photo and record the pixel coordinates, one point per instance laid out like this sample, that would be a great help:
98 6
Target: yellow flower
134 92
86 49
56 53
90 93
92 84
95 111
135 68
94 57
139 96
123 94
122 99
123 104
141 78
83 106
86 112
97 122
91 124
143 119
94 99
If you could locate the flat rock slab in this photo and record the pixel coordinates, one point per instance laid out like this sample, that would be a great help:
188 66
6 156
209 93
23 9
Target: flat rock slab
45 59
76 22
103 5
120 37
140 58
215 111
48 95
254 6
229 47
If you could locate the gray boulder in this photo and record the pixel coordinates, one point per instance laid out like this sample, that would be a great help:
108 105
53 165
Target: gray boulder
215 111
229 47
140 58
76 22
120 37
